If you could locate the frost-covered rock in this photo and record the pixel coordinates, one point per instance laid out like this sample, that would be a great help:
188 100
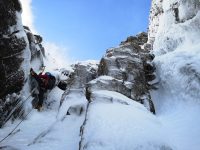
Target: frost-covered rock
84 72
172 23
18 49
36 48
175 29
12 46
130 68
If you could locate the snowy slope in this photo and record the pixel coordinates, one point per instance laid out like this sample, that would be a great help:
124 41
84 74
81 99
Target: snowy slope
175 30
115 122
50 129
108 120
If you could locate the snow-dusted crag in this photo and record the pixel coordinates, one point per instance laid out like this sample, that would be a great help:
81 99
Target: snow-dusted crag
175 29
128 70
110 105
124 76
18 48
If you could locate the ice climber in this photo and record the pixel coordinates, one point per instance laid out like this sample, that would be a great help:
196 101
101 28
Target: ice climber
45 82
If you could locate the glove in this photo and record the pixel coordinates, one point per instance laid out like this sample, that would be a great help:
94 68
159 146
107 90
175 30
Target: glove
31 71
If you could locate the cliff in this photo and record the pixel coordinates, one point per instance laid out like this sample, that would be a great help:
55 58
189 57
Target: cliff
18 49
142 94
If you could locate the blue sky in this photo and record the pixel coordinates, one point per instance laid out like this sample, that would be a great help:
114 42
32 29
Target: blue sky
86 28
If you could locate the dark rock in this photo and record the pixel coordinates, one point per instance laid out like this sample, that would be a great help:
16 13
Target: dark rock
14 43
103 70
150 77
76 110
149 68
36 48
83 73
131 69
8 9
147 46
7 148
137 40
38 39
26 28
11 47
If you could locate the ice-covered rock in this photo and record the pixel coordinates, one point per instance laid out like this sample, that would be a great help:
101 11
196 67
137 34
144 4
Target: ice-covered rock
174 31
131 70
18 49
84 72
172 23
36 48
12 45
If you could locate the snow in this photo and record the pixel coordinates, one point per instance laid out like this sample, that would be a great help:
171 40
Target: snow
179 119
49 129
112 120
177 51
90 64
26 53
102 79
114 125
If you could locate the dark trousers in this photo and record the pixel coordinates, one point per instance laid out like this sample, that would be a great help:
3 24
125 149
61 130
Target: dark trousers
42 90
41 96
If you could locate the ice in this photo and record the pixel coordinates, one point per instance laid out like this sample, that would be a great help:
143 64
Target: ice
49 129
112 121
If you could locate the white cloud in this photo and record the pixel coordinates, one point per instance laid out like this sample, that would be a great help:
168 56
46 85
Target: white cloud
27 14
57 56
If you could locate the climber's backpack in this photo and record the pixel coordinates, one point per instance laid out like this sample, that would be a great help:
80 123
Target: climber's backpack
51 80
62 85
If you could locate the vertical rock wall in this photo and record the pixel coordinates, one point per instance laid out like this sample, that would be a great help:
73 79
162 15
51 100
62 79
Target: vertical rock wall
174 31
12 46
128 70
18 49
173 22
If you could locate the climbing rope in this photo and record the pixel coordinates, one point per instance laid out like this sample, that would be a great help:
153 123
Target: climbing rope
13 55
16 126
19 116
17 106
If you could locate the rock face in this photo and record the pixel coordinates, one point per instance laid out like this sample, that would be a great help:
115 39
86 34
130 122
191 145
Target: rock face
18 48
80 74
155 14
174 32
84 72
128 70
36 48
12 47
173 22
